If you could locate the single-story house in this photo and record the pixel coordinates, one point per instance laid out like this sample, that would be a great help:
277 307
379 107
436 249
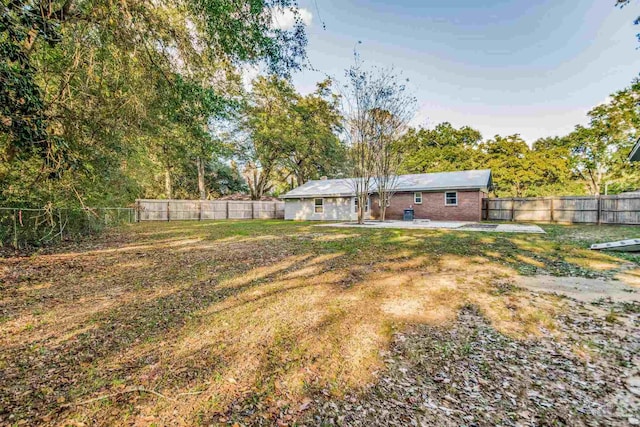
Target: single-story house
451 196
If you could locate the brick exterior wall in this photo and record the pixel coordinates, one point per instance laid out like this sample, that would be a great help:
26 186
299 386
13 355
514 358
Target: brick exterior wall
469 206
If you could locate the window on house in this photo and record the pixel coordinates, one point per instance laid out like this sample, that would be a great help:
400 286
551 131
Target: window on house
388 202
318 205
366 207
417 198
451 198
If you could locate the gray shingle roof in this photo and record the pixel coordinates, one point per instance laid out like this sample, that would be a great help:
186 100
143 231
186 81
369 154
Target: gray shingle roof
463 180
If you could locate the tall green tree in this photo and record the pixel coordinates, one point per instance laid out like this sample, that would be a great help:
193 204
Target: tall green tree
288 138
556 165
314 149
522 171
514 169
267 127
91 90
443 148
600 149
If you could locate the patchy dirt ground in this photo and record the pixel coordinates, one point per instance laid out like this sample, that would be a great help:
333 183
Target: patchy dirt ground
467 373
256 322
582 288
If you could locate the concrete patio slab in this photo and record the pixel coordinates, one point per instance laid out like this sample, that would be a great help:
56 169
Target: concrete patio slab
446 225
520 228
581 288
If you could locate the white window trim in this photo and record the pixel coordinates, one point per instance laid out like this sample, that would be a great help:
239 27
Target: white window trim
316 206
366 207
414 198
445 198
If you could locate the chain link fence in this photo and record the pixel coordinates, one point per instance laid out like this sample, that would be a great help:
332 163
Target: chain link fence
22 227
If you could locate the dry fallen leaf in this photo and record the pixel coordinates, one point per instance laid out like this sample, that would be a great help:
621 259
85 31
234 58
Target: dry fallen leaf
305 404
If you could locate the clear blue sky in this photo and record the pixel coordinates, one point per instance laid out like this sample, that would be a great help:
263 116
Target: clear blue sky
503 67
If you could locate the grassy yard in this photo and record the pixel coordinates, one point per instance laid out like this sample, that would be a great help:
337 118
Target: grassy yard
216 322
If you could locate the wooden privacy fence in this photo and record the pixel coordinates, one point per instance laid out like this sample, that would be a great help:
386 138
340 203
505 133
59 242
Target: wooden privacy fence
198 210
622 209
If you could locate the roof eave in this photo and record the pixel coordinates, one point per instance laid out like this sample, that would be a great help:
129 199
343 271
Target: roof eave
398 190
467 187
310 196
634 156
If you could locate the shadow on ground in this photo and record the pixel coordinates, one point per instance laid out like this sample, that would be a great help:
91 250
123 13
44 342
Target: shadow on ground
187 322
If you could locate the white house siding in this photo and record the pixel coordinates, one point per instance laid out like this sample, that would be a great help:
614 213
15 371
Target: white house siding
335 209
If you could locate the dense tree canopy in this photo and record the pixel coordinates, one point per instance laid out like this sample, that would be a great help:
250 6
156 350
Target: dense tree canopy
443 148
101 99
521 171
103 102
288 139
585 161
600 150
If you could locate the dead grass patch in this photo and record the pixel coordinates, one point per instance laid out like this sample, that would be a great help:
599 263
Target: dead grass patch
595 261
333 237
630 277
261 312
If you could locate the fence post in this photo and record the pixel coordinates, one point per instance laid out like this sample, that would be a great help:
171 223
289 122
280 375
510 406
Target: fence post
253 210
598 210
275 210
168 212
60 223
551 210
15 230
486 206
513 209
199 210
227 210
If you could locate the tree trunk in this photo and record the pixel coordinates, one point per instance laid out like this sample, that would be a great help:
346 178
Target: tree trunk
253 184
594 187
383 199
362 203
168 187
201 185
261 185
598 182
594 180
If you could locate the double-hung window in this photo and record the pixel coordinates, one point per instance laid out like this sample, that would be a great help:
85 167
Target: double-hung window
355 206
417 198
451 198
318 205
